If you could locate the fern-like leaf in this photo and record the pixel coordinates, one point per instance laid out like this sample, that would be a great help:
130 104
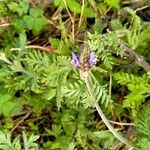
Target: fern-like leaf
142 123
138 87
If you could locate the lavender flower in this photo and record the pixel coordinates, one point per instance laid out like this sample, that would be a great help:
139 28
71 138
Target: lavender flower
75 60
91 61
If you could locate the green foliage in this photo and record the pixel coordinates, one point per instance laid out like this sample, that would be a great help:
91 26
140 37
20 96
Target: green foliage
75 7
70 128
76 93
138 87
105 138
104 55
135 27
7 105
63 114
29 143
7 144
35 20
142 122
20 8
40 74
113 3
64 46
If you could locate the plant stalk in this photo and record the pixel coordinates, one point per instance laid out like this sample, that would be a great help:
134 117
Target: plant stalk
105 120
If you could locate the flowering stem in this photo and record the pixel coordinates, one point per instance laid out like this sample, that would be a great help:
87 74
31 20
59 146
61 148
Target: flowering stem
105 120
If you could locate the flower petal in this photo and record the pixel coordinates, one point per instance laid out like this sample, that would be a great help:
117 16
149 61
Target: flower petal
92 59
75 60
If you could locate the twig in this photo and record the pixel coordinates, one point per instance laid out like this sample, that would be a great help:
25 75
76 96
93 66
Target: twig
72 20
90 147
107 11
94 6
48 49
131 131
141 8
132 54
4 25
82 10
54 25
19 122
121 123
138 58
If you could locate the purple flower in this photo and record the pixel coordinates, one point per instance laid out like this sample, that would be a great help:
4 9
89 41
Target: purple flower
75 60
91 61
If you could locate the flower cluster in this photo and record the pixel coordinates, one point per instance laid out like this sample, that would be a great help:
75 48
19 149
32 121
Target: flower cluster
91 61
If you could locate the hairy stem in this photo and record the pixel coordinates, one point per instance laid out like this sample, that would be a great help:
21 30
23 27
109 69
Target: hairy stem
105 120
139 59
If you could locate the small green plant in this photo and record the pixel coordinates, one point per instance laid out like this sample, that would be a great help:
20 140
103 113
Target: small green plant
6 142
37 39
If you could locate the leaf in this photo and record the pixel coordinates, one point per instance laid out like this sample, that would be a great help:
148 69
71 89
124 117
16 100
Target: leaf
6 144
7 105
134 99
29 20
29 143
36 12
19 24
50 94
55 131
143 144
105 138
138 87
102 7
71 146
39 24
21 7
88 12
36 102
116 25
113 3
59 3
23 39
35 21
142 123
74 6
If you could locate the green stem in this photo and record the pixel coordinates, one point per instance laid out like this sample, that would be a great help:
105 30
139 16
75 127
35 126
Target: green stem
105 120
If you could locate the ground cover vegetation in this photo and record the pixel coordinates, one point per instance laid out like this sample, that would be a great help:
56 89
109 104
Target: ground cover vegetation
44 103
